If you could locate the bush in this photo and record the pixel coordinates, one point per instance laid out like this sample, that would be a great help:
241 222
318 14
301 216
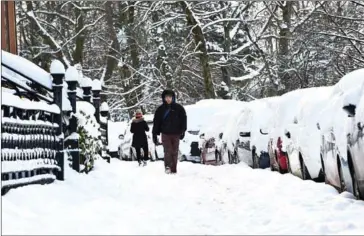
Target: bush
89 136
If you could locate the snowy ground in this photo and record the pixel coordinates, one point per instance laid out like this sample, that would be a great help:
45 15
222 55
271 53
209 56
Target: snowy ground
121 198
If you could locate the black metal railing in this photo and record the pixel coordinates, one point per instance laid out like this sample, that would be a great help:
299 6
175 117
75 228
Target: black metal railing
33 126
29 142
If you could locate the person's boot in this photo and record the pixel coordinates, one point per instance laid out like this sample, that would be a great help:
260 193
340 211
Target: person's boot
168 170
140 163
144 163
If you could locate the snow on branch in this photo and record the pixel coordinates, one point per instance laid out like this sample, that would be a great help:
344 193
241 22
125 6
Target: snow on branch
31 15
252 74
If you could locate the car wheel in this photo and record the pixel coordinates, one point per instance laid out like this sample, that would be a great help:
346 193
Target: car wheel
236 157
341 178
271 163
323 170
152 159
132 157
156 155
358 195
289 165
278 165
255 160
219 156
304 171
202 160
183 158
230 157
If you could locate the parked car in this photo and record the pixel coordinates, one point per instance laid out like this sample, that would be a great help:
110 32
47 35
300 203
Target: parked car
284 116
237 136
211 142
262 119
189 147
302 138
354 107
200 116
115 129
337 160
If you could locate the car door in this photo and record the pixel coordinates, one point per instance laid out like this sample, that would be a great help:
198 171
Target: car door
330 160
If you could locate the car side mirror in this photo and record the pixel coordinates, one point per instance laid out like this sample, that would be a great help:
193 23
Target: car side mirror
288 134
121 137
318 126
262 132
350 110
202 135
244 134
220 135
360 126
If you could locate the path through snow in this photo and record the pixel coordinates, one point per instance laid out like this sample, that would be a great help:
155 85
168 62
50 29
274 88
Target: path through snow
121 198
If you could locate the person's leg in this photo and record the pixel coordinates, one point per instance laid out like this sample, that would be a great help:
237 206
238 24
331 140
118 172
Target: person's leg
174 150
166 142
146 153
138 154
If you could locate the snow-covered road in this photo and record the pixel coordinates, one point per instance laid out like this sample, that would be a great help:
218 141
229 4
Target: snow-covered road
121 198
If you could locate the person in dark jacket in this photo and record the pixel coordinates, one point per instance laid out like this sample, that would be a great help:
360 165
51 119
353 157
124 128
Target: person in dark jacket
170 120
138 128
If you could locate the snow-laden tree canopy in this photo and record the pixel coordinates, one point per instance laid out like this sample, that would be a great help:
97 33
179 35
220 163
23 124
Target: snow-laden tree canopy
139 48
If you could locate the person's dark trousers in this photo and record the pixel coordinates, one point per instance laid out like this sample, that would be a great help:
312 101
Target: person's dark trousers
139 155
170 145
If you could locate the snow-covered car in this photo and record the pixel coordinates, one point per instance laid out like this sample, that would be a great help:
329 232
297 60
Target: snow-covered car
337 165
211 143
263 115
201 119
189 147
354 107
114 130
127 152
284 117
239 134
302 138
246 134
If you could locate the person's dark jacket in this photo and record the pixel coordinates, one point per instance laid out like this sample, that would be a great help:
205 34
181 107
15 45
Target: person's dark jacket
170 118
138 128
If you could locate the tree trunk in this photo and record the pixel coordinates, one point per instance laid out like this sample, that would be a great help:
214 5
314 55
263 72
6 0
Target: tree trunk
111 57
80 39
133 97
283 48
202 49
227 48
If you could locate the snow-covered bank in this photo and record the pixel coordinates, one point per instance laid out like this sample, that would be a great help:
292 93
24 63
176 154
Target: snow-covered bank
121 198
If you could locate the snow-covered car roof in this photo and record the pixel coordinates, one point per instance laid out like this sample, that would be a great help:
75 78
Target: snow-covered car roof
360 107
311 106
333 117
349 81
199 114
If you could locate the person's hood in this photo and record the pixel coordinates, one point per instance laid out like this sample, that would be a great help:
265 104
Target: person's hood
169 92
